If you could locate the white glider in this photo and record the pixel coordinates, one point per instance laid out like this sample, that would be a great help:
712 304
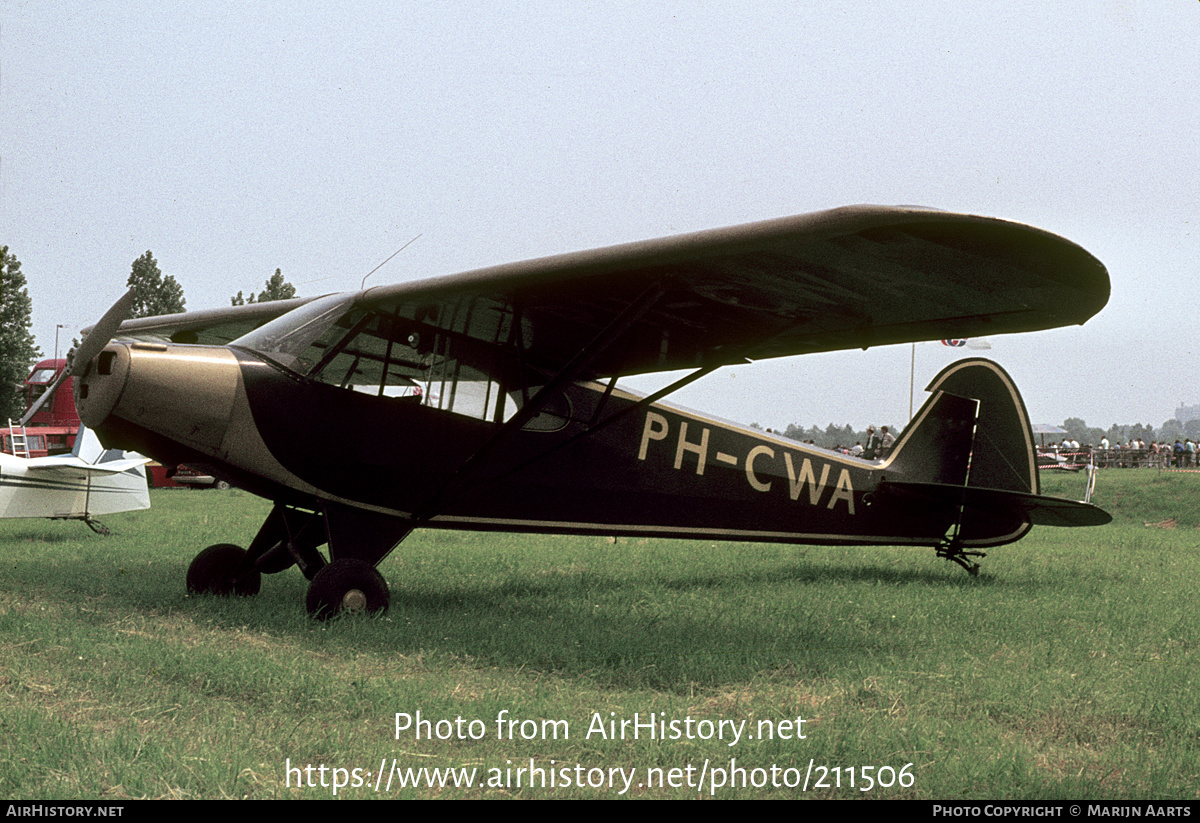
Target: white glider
78 486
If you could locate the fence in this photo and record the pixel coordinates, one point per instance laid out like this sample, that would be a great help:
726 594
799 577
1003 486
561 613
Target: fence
1126 459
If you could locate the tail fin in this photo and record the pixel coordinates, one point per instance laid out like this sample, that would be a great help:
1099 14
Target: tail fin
87 446
972 431
971 446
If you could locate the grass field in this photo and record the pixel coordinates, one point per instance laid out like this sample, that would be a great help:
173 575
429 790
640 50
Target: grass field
1067 669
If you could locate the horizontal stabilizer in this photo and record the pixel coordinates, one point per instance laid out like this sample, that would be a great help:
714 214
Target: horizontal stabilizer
1038 509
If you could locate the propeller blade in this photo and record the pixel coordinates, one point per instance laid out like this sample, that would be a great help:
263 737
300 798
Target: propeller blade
101 333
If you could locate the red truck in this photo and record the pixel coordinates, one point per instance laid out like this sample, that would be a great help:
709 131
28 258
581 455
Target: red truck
53 428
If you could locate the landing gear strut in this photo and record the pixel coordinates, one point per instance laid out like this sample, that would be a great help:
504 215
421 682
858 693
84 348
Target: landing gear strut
953 550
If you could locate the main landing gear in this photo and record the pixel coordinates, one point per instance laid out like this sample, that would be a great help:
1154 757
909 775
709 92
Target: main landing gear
346 586
349 583
343 586
218 570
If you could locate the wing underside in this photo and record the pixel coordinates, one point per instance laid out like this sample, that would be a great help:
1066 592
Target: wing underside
849 278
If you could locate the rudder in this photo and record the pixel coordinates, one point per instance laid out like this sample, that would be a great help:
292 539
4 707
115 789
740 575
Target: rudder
973 431
971 446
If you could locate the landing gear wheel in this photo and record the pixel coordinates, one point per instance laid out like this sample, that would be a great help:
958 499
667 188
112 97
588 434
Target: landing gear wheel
344 586
213 570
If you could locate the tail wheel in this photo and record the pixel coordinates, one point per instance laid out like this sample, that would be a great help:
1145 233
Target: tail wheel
346 586
214 572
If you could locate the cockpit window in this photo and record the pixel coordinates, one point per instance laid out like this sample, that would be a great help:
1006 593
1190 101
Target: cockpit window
370 352
287 338
437 360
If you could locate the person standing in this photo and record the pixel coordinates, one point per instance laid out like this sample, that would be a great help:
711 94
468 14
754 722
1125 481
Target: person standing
872 449
885 442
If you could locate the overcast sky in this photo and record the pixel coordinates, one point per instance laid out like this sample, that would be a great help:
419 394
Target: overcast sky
231 139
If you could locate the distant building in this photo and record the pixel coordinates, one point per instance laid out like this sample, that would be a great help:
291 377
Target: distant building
1185 413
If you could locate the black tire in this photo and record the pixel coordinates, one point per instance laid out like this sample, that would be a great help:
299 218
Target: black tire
213 569
348 585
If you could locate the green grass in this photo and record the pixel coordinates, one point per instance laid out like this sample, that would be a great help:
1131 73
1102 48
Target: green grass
1065 670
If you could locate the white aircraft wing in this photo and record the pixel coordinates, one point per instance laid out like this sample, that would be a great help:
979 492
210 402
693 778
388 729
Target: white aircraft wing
69 465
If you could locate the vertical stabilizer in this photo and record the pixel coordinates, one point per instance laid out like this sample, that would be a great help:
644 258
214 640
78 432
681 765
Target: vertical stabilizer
973 431
971 446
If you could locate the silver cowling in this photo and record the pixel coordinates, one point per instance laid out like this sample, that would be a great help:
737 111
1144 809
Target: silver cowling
186 393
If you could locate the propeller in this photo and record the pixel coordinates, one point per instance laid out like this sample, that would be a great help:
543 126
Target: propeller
101 333
92 345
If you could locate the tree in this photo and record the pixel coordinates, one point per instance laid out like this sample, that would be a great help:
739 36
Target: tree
153 293
1079 430
1171 430
1139 432
17 350
277 289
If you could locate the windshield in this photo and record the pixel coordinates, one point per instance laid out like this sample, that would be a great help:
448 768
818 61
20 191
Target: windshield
42 376
286 338
435 361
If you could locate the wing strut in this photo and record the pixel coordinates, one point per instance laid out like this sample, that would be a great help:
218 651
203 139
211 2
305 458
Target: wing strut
567 374
581 361
444 494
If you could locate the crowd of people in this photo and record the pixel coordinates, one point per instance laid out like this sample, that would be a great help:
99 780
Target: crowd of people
1136 453
878 447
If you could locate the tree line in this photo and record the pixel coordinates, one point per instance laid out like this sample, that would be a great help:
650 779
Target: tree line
154 294
832 436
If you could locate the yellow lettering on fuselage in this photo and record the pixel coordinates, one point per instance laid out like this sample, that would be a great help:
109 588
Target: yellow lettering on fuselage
700 449
806 476
657 427
751 478
844 491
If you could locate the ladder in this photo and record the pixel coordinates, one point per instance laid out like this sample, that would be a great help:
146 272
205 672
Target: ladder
20 445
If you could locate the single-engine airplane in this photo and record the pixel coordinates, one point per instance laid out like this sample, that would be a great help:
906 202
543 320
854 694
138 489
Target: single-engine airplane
519 424
78 486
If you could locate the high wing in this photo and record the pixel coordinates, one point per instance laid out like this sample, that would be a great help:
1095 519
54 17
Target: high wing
853 277
209 327
849 278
